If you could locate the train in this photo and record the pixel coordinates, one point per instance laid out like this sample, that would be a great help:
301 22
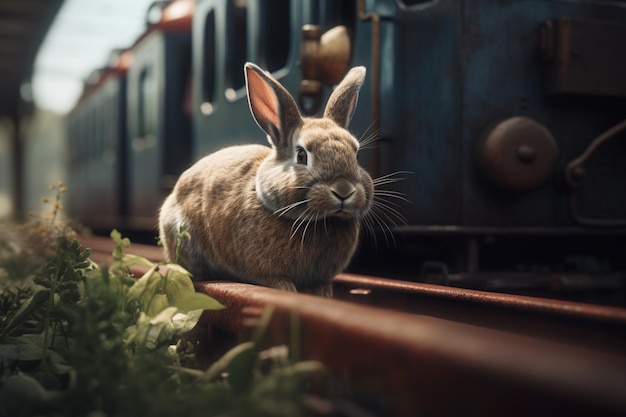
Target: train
501 124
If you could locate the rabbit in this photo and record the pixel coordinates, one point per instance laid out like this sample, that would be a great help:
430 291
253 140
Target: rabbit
286 216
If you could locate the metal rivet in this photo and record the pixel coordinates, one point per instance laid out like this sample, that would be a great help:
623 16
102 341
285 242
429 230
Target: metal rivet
526 154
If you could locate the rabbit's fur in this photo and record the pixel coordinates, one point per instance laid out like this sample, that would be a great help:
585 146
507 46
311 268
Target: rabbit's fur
287 216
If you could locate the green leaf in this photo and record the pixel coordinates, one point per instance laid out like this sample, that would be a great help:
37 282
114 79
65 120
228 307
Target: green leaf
185 322
165 328
223 364
240 370
136 291
197 301
117 238
155 304
120 244
130 260
148 332
177 285
30 306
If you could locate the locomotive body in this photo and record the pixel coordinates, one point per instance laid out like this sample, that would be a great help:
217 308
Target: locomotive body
496 110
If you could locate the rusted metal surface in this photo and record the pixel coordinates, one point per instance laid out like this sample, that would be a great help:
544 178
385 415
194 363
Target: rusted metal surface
593 326
436 350
583 57
429 366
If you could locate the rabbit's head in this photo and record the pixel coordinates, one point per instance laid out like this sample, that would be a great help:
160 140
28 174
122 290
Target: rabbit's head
312 172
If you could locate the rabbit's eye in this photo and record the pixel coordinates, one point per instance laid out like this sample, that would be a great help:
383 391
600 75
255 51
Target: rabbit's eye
301 156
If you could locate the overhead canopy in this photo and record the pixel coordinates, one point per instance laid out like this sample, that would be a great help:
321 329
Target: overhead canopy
23 26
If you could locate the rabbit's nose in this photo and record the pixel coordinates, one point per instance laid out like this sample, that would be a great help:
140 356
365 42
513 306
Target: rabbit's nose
342 189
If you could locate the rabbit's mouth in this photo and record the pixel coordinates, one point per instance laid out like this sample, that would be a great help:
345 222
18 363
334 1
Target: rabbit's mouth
343 211
343 214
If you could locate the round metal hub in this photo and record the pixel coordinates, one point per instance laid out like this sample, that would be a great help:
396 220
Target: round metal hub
518 154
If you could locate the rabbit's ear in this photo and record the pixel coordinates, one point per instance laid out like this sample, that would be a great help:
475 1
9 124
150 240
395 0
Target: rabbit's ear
342 101
273 108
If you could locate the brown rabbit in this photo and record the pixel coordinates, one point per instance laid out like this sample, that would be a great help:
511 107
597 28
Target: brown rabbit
287 216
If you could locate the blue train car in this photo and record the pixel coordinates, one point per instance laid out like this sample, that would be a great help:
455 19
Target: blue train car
460 93
486 103
506 120
495 99
159 116
96 131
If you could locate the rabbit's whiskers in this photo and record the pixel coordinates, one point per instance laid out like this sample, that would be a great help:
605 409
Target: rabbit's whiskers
306 218
383 214
310 218
298 222
389 178
285 209
366 142
372 220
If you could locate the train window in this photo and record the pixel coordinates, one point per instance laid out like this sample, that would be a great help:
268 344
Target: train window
93 133
208 65
84 135
276 25
80 139
74 135
144 103
109 128
185 83
88 133
84 138
97 130
238 45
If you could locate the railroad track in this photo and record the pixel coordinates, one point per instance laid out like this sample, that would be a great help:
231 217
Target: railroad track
434 350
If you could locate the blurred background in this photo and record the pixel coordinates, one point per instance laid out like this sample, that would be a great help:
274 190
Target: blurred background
42 73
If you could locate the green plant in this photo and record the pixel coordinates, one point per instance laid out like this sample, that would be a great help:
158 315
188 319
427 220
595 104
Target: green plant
78 339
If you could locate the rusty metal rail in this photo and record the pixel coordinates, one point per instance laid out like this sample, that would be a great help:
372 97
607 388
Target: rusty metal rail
433 350
431 366
598 327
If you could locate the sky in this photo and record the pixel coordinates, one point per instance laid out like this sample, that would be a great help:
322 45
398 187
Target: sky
80 39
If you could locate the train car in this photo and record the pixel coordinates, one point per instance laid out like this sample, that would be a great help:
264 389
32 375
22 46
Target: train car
159 118
505 121
130 132
96 135
492 107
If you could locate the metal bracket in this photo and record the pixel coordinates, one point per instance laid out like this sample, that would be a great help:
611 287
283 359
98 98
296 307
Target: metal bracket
575 175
